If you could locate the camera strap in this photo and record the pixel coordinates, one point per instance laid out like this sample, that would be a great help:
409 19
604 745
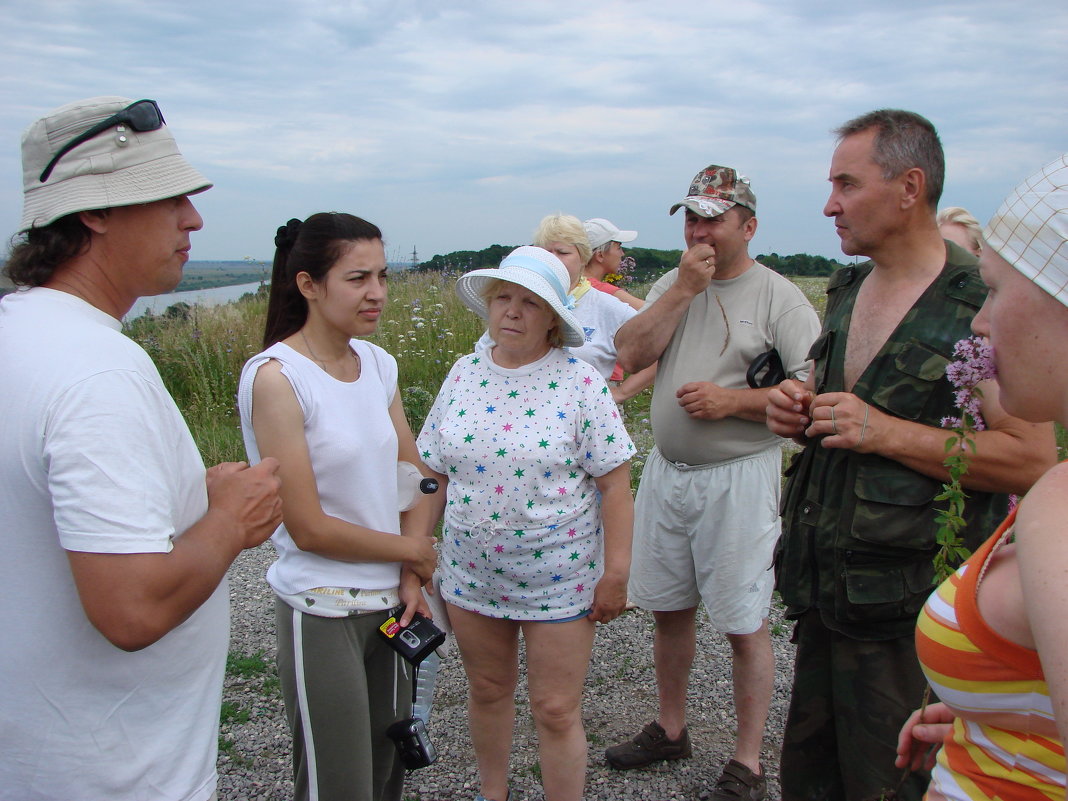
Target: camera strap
415 682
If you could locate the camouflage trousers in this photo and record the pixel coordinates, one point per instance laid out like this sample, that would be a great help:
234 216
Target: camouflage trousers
849 701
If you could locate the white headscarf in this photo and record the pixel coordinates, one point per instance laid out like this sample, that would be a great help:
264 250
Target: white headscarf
1030 230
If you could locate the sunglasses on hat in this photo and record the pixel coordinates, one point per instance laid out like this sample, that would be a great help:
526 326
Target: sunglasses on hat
142 116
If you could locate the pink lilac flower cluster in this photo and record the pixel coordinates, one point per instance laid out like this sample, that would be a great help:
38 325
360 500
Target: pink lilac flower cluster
974 362
622 276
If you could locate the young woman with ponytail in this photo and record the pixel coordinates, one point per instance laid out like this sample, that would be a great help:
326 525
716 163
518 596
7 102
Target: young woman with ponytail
326 405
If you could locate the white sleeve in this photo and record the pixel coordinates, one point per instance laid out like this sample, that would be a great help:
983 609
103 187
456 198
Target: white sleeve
386 365
429 439
111 446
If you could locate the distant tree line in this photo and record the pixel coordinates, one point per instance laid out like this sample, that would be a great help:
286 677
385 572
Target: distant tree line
649 263
800 264
461 261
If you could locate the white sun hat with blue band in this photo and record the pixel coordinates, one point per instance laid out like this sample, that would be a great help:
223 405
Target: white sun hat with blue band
535 269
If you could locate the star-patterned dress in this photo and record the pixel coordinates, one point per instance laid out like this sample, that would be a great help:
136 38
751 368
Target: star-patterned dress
521 448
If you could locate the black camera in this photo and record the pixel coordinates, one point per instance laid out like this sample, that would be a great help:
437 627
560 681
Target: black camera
413 743
414 642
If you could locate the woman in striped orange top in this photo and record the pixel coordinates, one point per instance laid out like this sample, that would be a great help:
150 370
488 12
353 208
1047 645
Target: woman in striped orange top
993 639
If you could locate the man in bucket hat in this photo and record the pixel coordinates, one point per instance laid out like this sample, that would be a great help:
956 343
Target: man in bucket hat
855 562
116 541
706 514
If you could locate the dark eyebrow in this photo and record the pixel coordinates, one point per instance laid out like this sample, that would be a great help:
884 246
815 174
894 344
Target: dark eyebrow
842 176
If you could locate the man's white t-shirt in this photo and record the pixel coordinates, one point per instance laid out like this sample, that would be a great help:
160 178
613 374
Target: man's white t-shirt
95 457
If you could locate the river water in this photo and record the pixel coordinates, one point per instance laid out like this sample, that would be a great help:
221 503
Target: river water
215 296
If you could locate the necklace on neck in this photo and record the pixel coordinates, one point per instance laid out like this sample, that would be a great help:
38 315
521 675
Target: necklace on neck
307 344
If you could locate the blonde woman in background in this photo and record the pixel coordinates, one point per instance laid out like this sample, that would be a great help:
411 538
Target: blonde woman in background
960 227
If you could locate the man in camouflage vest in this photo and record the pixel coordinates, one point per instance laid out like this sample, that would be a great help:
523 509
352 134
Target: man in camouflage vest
854 564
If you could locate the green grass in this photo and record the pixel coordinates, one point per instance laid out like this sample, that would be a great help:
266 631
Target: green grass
250 667
200 354
232 713
425 326
247 666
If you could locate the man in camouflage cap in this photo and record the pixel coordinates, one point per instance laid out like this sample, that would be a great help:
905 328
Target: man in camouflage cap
706 515
859 530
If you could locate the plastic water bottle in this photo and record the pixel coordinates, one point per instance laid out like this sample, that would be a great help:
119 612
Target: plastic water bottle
424 687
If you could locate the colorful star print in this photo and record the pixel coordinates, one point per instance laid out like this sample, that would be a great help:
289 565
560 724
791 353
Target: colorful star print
520 495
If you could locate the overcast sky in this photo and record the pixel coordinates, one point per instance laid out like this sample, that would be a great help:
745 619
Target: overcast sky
457 125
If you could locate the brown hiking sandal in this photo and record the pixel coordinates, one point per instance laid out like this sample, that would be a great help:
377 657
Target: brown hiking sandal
649 745
739 783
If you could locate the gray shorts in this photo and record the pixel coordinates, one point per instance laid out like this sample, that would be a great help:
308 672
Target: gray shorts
708 533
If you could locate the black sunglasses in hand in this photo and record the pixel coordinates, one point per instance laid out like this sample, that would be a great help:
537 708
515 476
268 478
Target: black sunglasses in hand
142 116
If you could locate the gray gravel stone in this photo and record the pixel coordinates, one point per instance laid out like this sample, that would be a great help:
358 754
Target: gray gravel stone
254 757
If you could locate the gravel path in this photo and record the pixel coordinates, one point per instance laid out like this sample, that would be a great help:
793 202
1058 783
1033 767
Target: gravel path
254 760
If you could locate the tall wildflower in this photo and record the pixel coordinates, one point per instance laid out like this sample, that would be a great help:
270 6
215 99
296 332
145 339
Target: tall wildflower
973 363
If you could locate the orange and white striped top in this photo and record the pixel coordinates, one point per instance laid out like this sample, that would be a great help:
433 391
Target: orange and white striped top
1004 742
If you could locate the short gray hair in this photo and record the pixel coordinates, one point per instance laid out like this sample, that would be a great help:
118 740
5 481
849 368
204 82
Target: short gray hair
903 140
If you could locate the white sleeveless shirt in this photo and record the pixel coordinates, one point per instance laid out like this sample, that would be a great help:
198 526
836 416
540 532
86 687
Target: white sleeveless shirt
353 448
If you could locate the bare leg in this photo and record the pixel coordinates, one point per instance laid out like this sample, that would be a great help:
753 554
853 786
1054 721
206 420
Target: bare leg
753 669
674 645
558 657
489 648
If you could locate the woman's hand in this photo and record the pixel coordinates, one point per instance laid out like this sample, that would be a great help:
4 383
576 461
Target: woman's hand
609 598
922 736
411 595
424 558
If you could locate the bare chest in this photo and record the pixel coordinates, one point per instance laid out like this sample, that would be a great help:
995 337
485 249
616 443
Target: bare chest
876 314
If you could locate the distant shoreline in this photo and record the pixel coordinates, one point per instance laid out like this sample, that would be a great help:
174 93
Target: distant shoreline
199 275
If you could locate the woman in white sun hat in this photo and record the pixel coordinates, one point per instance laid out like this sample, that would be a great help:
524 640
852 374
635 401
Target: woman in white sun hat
992 639
537 515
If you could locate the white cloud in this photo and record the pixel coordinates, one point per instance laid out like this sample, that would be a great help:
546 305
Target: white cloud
458 125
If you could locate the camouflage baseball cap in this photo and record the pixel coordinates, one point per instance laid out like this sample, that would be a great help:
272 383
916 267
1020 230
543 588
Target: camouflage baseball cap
715 190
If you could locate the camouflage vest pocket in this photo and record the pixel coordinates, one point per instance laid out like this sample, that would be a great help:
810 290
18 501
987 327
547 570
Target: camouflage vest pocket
893 507
880 589
917 374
